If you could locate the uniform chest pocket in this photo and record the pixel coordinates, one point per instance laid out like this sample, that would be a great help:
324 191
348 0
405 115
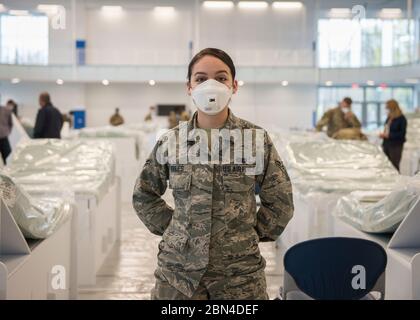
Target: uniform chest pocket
240 207
238 182
180 177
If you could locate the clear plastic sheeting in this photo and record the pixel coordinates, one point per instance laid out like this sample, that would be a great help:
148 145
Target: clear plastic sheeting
147 127
107 132
413 133
339 166
410 162
137 132
281 138
383 216
86 167
38 217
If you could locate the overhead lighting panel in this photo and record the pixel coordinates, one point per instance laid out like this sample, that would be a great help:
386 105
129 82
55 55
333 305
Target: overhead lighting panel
253 5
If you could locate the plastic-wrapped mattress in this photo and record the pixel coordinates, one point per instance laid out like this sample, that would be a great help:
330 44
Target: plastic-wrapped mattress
85 167
106 132
38 217
281 138
117 132
413 133
383 216
339 166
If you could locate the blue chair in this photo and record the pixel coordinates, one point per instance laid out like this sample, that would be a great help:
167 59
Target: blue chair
334 269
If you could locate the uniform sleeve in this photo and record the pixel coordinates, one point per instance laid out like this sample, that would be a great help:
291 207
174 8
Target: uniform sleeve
39 124
354 122
323 121
276 196
150 186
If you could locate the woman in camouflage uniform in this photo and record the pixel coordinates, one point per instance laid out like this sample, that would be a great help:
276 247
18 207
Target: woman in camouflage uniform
209 247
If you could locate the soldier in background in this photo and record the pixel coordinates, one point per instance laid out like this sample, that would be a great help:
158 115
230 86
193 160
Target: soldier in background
185 116
340 117
116 119
172 120
209 247
149 116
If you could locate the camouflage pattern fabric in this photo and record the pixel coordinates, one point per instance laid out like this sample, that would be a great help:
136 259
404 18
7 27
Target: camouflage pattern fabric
335 120
210 240
216 287
116 120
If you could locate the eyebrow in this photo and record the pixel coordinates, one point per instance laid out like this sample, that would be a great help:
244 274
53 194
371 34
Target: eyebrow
204 73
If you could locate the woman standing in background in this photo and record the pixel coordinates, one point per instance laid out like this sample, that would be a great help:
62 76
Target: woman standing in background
394 133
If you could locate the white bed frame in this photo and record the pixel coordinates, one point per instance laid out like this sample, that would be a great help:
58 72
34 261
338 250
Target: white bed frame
29 270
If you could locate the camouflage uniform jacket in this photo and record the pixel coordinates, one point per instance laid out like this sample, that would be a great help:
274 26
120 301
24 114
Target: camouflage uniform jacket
334 120
215 226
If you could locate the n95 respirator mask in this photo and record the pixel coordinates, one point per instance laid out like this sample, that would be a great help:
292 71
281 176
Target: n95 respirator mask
211 96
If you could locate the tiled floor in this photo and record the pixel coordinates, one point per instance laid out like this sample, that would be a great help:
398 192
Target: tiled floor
128 271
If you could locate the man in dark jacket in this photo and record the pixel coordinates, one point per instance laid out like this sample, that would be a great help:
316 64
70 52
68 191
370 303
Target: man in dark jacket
49 120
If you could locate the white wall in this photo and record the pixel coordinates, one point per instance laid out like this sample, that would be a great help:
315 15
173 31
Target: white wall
133 100
273 105
263 104
261 37
26 95
137 36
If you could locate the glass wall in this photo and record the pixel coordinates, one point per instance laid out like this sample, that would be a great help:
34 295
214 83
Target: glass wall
368 102
23 39
350 43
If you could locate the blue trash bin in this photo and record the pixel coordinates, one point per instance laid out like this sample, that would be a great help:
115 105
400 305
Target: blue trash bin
79 117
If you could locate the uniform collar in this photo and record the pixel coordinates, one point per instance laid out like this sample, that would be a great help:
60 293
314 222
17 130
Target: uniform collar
230 123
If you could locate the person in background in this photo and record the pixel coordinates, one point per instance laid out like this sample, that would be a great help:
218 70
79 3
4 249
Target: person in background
13 106
68 118
172 119
185 116
394 133
149 116
116 119
6 125
340 117
49 120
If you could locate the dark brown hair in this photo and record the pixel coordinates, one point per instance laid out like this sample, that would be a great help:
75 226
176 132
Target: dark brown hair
348 100
45 97
214 52
12 102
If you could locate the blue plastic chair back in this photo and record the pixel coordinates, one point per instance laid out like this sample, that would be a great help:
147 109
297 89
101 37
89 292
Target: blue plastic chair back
336 268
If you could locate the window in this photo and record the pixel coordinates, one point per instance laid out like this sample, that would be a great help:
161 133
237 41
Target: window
24 39
368 102
349 43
